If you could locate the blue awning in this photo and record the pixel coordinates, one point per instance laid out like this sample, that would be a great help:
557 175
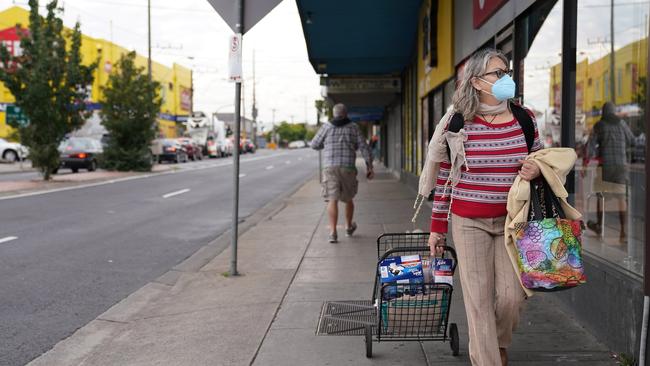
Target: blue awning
359 37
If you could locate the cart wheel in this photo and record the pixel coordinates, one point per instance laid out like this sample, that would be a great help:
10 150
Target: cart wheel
455 343
368 341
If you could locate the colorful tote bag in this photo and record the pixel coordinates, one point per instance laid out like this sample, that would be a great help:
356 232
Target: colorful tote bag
549 244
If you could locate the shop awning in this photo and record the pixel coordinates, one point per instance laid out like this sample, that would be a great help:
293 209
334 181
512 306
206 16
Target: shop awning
360 37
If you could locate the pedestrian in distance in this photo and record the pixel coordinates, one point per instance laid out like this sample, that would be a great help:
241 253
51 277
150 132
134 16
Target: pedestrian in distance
488 139
609 142
340 139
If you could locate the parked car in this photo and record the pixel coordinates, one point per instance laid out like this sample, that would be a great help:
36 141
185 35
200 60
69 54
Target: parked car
229 147
298 144
248 146
12 151
638 152
79 153
171 150
216 147
194 150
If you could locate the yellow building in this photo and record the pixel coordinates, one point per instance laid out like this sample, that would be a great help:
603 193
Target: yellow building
593 81
176 82
425 78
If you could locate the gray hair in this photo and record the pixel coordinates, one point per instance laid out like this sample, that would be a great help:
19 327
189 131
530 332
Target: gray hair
465 98
340 111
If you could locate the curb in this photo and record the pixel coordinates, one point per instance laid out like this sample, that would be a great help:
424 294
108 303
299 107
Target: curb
214 248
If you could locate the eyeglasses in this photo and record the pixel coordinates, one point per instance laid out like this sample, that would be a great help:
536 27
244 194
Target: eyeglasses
499 73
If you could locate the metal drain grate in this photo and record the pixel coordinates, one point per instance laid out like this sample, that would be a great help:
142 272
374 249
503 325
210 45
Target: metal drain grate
346 318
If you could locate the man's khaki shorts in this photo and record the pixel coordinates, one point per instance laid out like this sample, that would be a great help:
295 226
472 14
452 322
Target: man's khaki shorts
340 183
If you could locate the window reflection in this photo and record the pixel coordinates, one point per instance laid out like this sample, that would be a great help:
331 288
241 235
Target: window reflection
609 119
610 98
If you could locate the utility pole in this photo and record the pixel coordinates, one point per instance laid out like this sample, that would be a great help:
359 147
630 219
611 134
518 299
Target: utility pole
149 38
243 106
612 62
254 113
235 205
319 106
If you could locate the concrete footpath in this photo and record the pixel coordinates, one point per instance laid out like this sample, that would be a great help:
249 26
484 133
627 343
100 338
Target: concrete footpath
196 315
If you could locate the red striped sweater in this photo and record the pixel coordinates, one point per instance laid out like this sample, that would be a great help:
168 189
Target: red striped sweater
493 153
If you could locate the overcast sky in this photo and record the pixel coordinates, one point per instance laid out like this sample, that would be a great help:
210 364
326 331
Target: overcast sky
630 25
191 28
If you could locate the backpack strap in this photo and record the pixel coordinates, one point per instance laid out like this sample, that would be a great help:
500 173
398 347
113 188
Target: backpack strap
526 123
456 124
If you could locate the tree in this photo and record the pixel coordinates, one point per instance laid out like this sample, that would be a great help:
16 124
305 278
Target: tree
130 106
49 83
291 132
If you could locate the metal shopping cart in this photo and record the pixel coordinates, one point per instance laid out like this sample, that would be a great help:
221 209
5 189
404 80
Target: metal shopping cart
399 312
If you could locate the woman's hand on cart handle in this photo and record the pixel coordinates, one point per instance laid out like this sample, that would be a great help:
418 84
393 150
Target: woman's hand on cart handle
436 243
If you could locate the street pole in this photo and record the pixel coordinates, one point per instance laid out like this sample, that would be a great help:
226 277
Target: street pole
149 38
320 152
235 202
254 110
612 61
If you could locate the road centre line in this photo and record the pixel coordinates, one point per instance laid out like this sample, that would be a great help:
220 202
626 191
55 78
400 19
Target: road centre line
126 179
8 239
242 175
269 167
172 194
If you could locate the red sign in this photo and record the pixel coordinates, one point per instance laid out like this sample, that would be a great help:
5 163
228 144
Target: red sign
10 38
186 99
579 96
484 9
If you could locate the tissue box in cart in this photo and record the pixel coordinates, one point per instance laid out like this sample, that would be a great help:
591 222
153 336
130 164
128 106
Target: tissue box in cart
403 274
400 269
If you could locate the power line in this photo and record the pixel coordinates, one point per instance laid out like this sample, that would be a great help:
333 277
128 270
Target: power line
195 10
615 5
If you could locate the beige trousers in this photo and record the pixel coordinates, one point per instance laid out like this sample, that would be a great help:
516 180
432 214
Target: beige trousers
491 289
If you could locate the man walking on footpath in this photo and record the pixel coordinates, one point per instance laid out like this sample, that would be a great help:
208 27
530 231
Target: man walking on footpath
340 139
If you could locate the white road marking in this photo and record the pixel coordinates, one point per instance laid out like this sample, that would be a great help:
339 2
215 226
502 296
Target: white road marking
288 162
172 194
269 167
242 175
136 177
299 159
7 239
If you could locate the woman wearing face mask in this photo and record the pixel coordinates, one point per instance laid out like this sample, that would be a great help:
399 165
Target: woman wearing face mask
494 147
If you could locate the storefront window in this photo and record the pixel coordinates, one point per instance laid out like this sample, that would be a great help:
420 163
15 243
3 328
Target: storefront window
542 70
610 128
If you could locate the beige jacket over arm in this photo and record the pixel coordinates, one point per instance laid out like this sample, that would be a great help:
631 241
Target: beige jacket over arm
555 164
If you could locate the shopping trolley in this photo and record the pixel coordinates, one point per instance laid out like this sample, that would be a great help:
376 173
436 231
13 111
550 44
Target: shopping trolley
400 312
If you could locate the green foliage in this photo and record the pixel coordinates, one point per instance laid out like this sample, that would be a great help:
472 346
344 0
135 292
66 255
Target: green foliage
129 108
49 84
291 132
323 109
310 135
625 360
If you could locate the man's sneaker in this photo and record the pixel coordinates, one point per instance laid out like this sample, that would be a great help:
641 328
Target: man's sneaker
349 231
333 238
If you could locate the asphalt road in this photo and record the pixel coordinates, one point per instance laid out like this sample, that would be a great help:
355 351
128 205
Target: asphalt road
80 251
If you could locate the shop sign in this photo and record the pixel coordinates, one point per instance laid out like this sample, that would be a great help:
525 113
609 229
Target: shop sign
186 99
484 9
10 38
363 85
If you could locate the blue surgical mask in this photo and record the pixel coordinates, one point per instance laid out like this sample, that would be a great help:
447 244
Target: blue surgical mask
502 89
